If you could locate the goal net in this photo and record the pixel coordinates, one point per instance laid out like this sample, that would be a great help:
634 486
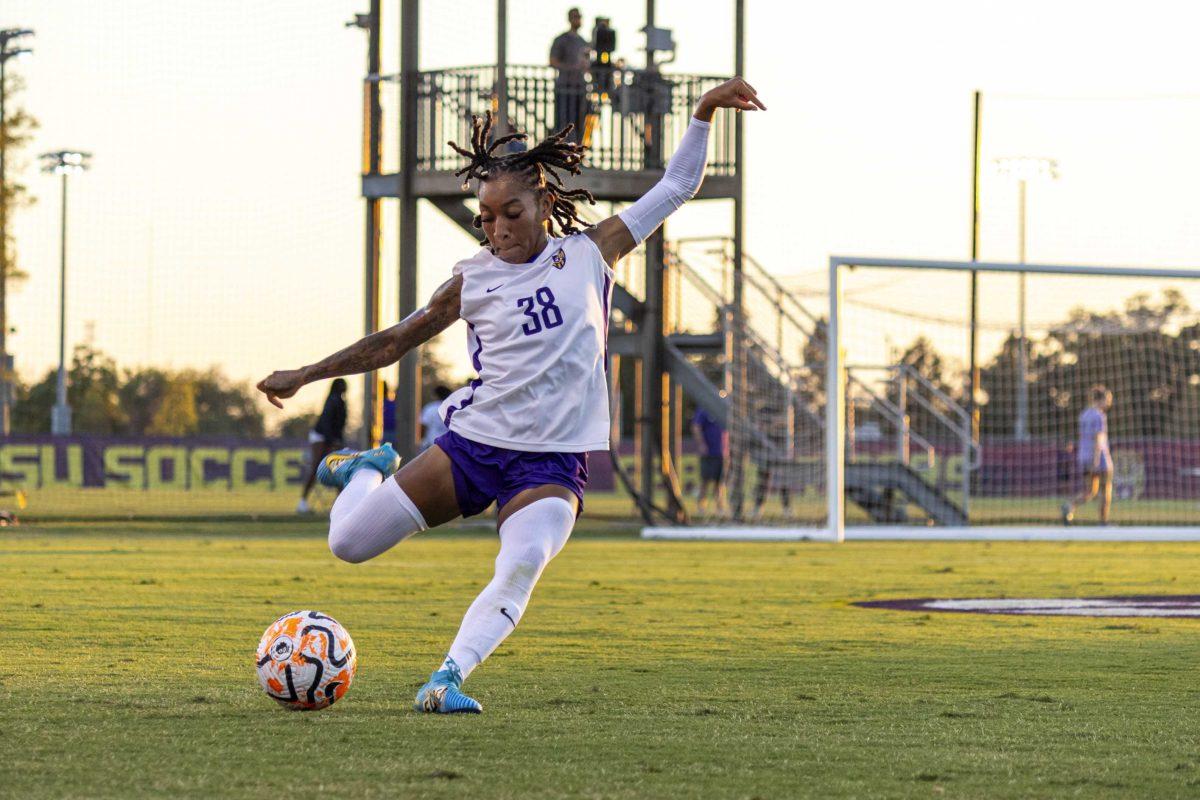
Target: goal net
1040 434
880 405
1125 167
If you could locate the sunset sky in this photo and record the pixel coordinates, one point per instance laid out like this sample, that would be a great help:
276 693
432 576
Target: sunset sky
221 222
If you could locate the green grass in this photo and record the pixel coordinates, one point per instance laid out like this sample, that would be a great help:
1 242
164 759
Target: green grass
682 670
67 504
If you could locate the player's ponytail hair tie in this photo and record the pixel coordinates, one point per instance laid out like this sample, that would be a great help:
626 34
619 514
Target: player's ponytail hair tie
538 167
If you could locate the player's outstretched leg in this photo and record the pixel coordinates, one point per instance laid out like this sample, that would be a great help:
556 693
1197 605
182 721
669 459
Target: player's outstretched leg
528 540
372 513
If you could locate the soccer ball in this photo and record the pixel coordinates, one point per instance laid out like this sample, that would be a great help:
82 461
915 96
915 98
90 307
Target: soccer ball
306 660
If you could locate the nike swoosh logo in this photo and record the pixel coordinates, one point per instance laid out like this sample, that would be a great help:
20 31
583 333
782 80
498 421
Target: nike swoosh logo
494 288
504 611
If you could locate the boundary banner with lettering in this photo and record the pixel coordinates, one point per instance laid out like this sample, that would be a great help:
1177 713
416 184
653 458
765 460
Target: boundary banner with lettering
150 463
41 461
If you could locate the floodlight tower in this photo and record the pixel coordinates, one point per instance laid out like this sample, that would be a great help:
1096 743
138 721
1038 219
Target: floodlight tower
8 49
372 158
1023 169
64 163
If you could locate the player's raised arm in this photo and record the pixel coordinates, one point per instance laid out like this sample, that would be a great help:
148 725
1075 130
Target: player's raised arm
375 351
618 235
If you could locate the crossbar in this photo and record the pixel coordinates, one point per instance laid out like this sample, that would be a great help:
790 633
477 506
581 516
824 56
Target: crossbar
998 266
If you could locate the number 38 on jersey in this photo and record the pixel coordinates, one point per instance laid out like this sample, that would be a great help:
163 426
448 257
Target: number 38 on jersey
540 311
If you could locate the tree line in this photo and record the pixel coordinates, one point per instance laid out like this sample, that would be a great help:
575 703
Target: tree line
146 401
154 401
1147 353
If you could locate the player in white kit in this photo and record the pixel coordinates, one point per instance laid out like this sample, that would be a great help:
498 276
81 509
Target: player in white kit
536 307
1093 456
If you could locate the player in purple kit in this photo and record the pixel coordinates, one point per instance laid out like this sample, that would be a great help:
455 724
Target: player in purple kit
713 442
1093 456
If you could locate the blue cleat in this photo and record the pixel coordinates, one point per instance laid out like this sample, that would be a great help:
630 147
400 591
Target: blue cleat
337 468
441 695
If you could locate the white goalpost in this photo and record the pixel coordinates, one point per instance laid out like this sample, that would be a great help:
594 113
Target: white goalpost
868 423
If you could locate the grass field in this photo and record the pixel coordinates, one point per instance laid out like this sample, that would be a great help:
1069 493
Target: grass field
66 504
70 504
642 669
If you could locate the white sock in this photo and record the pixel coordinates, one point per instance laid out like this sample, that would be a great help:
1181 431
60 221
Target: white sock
361 483
370 516
528 540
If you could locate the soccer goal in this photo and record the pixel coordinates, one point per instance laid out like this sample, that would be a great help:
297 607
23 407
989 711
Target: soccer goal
938 399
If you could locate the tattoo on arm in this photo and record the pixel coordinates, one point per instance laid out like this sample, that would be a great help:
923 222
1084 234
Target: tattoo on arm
390 345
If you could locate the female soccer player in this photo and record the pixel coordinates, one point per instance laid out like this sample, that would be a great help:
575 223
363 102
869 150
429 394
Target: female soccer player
536 308
1093 456
325 437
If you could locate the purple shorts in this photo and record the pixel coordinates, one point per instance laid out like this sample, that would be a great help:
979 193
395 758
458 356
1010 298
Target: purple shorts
483 474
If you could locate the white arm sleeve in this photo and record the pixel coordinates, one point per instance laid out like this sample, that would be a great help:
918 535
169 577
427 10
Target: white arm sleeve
679 184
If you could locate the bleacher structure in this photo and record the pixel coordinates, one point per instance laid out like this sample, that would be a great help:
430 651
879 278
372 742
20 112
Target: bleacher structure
773 403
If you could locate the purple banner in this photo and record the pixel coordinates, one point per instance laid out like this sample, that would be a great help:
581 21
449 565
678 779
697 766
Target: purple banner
39 462
1149 468
163 463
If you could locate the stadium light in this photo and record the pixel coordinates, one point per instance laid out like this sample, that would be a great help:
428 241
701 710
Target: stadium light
1023 169
1027 168
64 163
67 162
6 52
11 35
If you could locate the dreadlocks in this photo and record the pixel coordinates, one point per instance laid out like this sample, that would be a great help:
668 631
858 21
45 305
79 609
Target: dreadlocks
537 167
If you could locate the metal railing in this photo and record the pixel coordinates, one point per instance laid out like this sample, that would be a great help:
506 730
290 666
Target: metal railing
791 323
617 117
911 390
872 401
780 382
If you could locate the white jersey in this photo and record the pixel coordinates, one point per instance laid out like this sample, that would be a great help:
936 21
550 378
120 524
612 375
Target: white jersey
537 335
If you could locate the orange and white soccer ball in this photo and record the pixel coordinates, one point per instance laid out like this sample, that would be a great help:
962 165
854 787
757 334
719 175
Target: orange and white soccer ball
306 660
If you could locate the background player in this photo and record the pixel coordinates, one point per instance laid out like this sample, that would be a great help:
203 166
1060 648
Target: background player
432 424
713 443
536 309
1093 456
326 436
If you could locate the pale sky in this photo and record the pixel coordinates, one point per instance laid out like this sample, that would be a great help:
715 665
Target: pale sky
221 222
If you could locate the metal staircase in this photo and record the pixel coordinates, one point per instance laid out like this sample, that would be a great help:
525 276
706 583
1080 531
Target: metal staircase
883 406
783 390
884 490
